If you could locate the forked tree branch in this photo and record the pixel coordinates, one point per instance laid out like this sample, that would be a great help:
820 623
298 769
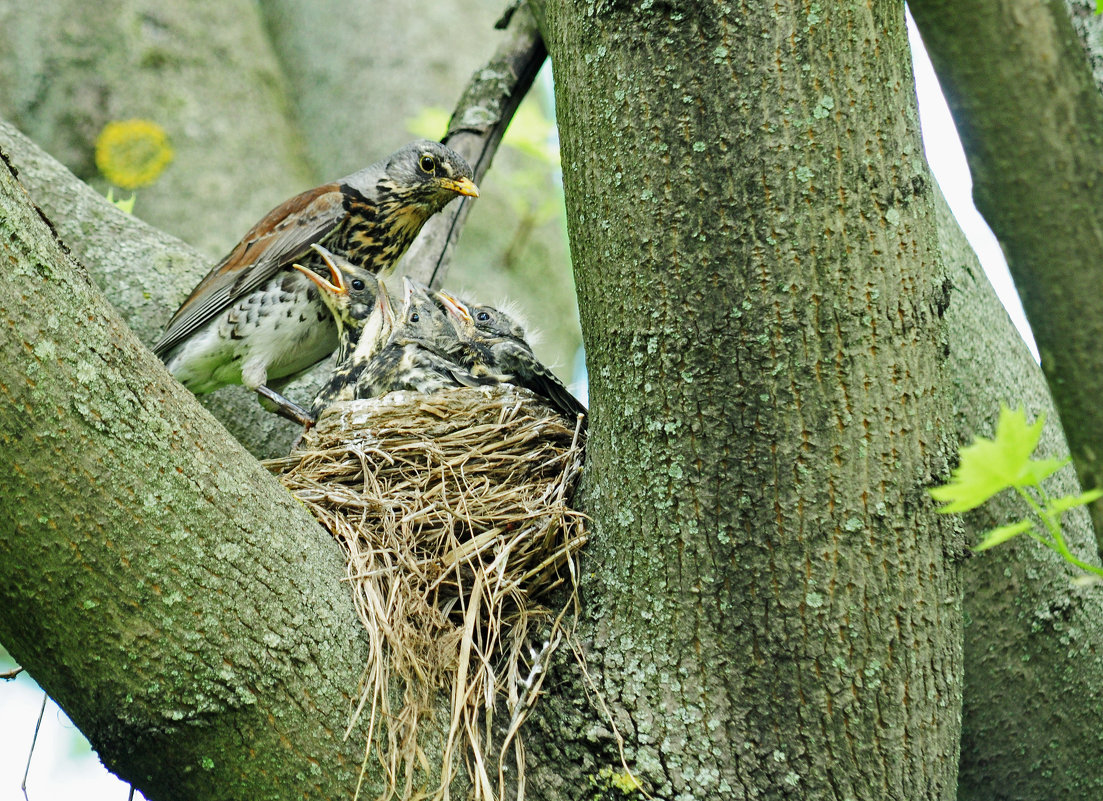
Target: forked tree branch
183 609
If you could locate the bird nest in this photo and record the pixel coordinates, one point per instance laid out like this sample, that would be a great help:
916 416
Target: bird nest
453 511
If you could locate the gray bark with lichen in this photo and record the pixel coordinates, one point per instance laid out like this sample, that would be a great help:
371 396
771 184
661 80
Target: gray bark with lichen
1030 126
141 269
203 71
184 610
769 599
1020 605
996 653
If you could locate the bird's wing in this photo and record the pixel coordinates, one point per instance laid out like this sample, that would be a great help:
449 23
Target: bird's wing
285 234
463 377
530 372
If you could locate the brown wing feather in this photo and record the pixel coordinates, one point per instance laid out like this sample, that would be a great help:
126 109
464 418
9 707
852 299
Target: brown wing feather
283 235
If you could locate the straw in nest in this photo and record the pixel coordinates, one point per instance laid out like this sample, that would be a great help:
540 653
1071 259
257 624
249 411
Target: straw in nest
453 510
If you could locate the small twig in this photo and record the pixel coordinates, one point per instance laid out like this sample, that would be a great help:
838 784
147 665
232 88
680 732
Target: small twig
478 122
37 726
8 675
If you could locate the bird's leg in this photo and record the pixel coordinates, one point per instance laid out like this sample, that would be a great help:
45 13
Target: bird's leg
285 408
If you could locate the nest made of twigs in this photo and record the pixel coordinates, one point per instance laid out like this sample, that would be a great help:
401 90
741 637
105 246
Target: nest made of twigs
453 510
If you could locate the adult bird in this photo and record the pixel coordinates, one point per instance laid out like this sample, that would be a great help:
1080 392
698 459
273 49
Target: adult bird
256 321
498 348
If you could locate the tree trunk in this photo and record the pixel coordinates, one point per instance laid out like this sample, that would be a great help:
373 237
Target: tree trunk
1020 605
185 610
1030 126
143 271
770 606
773 603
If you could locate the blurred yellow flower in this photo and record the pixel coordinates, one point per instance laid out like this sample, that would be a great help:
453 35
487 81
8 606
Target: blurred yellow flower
132 153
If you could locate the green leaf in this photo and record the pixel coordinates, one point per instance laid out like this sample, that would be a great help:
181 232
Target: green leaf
1003 534
989 466
1099 6
126 204
1059 506
1039 469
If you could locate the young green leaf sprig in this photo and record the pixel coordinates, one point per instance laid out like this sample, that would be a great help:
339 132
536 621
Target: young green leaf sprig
990 466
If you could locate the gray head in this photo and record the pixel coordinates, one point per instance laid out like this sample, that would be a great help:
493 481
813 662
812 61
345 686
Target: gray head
479 322
494 323
422 318
424 173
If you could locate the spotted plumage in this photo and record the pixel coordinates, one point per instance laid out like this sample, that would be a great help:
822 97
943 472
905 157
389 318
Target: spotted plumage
497 349
364 318
417 356
254 320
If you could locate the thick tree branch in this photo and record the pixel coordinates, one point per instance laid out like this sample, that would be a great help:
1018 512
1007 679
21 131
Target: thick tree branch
185 611
755 250
237 632
1040 746
1029 116
143 271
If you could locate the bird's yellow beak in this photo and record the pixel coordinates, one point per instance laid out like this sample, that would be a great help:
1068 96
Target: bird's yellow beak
336 285
454 306
461 186
384 302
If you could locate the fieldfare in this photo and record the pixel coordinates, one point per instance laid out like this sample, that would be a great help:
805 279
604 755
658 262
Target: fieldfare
254 320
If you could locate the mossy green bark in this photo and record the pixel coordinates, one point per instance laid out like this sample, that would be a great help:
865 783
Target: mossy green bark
1031 127
1030 634
143 271
186 612
772 603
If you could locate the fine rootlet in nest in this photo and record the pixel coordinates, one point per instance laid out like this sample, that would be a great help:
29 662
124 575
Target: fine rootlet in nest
453 510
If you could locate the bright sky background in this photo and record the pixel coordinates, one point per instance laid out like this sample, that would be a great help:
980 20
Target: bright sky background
65 768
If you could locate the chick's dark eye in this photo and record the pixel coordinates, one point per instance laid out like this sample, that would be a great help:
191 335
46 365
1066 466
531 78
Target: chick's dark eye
415 317
357 284
427 163
482 317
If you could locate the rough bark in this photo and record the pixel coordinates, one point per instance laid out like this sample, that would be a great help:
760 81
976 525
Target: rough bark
773 603
203 71
1030 125
143 271
1089 27
1030 635
186 612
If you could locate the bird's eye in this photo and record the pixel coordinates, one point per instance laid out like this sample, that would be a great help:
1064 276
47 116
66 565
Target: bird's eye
427 163
357 284
415 317
482 317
